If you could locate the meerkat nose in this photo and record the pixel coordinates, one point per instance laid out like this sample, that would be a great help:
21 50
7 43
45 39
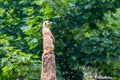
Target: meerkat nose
50 22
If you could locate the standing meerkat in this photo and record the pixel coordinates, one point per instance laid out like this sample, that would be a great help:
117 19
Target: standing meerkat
48 39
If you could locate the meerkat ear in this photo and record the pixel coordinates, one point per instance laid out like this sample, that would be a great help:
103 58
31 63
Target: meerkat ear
45 23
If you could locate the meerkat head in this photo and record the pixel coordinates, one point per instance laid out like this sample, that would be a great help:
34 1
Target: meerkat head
47 23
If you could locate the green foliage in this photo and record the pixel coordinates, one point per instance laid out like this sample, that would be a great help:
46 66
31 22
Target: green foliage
87 33
17 64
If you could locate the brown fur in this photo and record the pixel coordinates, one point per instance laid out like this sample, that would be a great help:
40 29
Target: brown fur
48 39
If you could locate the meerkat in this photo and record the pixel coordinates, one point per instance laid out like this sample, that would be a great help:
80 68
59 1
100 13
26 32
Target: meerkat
48 39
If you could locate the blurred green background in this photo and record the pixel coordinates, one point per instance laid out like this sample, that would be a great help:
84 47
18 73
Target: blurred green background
87 34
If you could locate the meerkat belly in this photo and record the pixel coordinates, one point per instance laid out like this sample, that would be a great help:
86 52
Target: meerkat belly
48 42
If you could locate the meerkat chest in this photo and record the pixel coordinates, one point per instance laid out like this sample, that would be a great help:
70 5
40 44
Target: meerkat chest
46 31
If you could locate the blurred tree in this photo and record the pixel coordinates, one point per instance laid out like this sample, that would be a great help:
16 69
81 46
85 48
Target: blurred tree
87 34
